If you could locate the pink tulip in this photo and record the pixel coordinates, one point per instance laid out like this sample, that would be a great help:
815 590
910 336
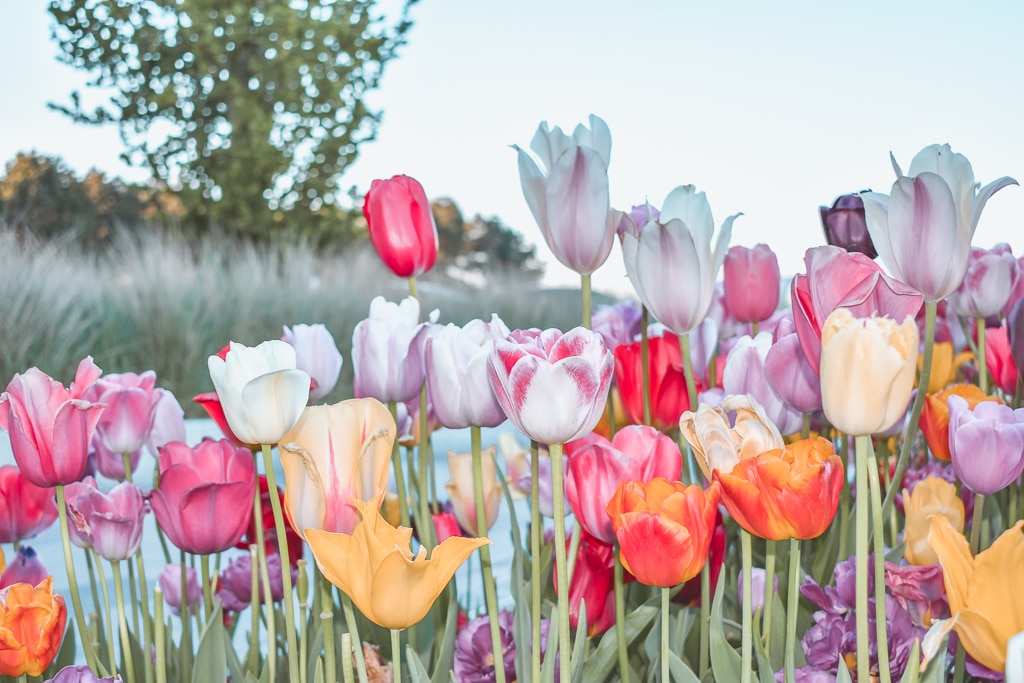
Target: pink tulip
26 567
387 351
838 279
401 225
788 372
110 523
999 359
170 584
553 388
1017 293
204 502
50 426
446 524
639 215
1015 331
596 467
234 589
751 283
25 509
316 354
745 374
990 279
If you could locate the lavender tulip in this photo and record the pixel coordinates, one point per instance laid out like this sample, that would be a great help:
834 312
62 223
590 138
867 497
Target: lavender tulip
316 354
387 350
80 673
745 374
788 372
991 277
617 323
1015 327
170 584
986 444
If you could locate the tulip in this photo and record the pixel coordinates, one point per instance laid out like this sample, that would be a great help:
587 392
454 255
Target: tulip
50 426
26 567
999 359
110 523
460 487
375 567
617 323
919 590
923 229
260 389
751 283
553 388
401 225
474 653
639 215
745 373
868 367
200 484
32 621
387 351
931 497
446 524
456 362
1015 332
210 402
333 455
984 592
787 371
667 394
664 529
935 415
170 584
689 593
986 443
845 226
568 194
269 538
234 586
316 354
25 509
785 494
545 492
758 578
80 673
592 585
717 445
670 262
988 282
944 365
836 279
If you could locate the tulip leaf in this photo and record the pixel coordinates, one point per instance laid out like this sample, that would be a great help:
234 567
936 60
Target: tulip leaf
896 554
601 661
912 672
417 672
211 663
778 635
680 672
765 672
522 624
318 673
547 670
826 551
936 671
446 653
725 661
843 675
234 665
316 646
579 647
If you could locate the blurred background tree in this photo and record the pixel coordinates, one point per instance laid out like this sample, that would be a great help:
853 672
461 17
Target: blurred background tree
249 109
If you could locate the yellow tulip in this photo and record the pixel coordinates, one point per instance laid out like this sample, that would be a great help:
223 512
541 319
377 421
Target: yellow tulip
717 445
944 365
986 595
375 567
461 491
868 366
932 497
333 455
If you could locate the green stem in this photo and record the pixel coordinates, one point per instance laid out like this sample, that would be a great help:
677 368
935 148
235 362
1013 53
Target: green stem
396 461
587 304
126 458
878 523
186 623
704 658
427 527
805 426
863 444
109 623
327 620
357 643
93 585
747 647
396 655
133 594
915 412
346 658
691 383
126 643
261 562
204 563
76 600
791 609
959 663
490 592
286 574
977 522
159 638
304 621
620 619
753 329
769 594
561 568
645 366
412 288
536 527
147 621
252 659
664 633
982 361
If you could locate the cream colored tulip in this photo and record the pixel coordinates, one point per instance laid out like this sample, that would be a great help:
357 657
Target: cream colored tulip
461 491
868 367
717 445
932 496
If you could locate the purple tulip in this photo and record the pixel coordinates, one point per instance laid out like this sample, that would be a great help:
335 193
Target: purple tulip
919 590
757 579
235 586
845 227
316 354
986 444
639 216
474 659
545 492
170 584
788 372
110 523
25 568
745 373
990 279
1015 327
387 350
80 673
617 323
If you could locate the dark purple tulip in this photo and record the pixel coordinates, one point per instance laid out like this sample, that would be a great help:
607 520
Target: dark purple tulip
845 226
1015 325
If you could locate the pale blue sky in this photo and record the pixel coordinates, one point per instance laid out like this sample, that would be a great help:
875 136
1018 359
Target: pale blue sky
772 108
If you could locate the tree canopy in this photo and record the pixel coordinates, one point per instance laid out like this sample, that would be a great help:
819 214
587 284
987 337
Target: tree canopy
251 109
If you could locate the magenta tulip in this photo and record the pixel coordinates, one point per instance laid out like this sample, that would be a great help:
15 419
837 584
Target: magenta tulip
25 509
401 225
986 444
50 426
316 354
387 351
845 226
752 283
110 523
26 567
554 387
204 502
999 359
745 373
991 276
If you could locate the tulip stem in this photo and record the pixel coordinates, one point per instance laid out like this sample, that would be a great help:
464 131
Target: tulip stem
126 643
805 426
982 361
620 618
691 383
977 522
930 308
645 365
561 568
587 305
286 574
76 600
769 594
747 648
204 564
252 660
793 602
147 621
261 561
412 288
396 461
185 644
109 624
490 592
346 658
878 523
426 529
159 638
353 629
327 619
126 458
664 633
536 529
863 444
705 620
396 655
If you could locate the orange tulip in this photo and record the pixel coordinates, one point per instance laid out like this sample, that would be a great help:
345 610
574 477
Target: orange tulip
664 529
986 596
935 415
944 365
783 494
375 567
32 621
932 497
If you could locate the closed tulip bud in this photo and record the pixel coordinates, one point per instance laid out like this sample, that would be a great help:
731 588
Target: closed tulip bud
986 443
32 620
170 584
316 354
845 226
401 225
990 278
935 415
746 373
387 350
461 488
25 509
26 567
752 283
931 497
868 367
110 523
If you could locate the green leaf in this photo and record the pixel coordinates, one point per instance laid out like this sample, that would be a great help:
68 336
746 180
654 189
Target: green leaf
680 672
522 625
600 663
318 672
765 672
417 672
211 664
912 672
726 663
896 554
843 676
936 671
446 654
547 669
579 647
234 665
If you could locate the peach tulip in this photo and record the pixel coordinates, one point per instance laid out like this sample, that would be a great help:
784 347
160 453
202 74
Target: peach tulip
460 487
931 497
717 445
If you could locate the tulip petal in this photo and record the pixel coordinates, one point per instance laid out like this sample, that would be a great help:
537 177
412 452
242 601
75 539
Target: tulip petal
274 402
578 201
534 185
926 239
984 194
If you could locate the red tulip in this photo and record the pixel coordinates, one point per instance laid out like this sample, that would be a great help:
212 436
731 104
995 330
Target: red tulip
689 592
592 584
401 225
50 426
210 402
204 502
25 509
269 531
999 359
751 278
667 388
